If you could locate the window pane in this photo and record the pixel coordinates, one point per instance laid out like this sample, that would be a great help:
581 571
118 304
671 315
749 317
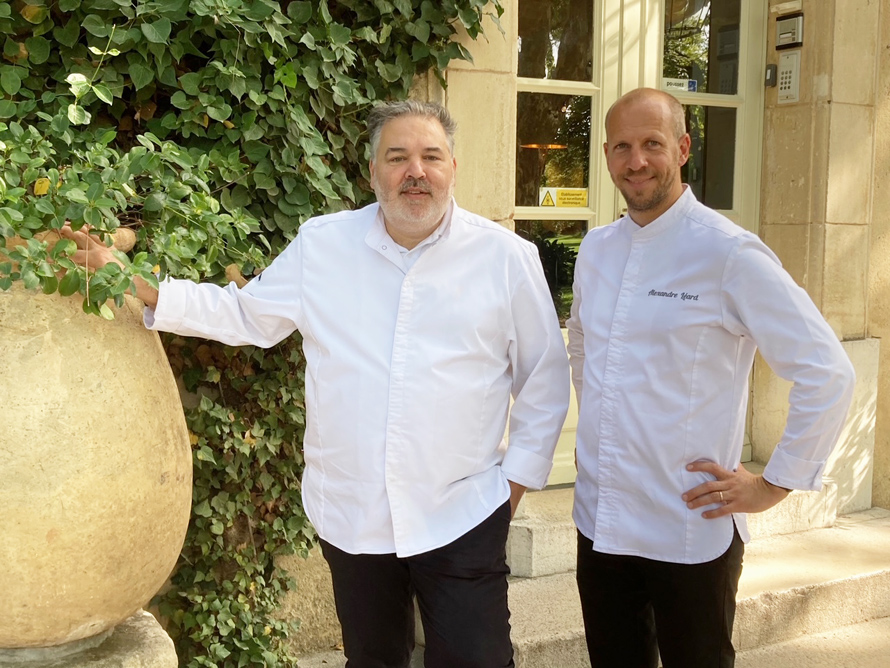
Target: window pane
701 45
553 145
711 166
556 39
557 242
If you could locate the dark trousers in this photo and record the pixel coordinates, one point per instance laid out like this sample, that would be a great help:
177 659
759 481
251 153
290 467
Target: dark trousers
461 591
635 608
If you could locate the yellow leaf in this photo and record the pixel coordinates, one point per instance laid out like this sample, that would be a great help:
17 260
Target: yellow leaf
193 438
229 125
205 120
41 186
156 269
31 13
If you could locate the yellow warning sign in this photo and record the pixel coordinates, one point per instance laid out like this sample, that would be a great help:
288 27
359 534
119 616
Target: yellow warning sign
563 197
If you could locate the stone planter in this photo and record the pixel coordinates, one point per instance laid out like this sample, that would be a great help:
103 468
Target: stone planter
95 469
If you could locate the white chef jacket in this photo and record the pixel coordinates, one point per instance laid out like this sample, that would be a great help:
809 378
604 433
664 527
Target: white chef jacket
665 322
409 371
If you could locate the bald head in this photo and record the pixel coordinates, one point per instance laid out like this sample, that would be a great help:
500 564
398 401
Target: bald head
649 97
646 146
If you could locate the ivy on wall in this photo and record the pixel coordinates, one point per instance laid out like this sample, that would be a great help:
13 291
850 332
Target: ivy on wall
212 129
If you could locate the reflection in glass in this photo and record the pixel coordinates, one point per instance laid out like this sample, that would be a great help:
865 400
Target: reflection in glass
701 43
556 39
553 144
710 169
557 242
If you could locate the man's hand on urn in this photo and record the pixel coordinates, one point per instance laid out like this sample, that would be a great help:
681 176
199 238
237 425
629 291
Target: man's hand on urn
91 251
733 491
93 254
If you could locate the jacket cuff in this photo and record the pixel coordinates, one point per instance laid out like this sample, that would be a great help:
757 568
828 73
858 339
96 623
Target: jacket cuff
170 310
784 470
526 468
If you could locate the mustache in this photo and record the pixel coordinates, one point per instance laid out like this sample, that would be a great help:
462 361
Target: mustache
415 184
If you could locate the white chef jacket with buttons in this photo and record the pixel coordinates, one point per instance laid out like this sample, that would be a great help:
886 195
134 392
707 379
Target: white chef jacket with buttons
411 359
665 322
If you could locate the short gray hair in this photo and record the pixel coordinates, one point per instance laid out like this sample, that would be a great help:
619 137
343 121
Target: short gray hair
388 111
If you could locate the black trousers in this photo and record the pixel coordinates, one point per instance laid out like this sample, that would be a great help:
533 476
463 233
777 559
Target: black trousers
461 591
635 608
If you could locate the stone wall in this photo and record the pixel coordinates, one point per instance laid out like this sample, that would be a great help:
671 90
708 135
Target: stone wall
879 264
817 212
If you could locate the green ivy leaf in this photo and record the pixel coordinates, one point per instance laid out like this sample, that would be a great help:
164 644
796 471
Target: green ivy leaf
190 82
80 85
155 202
67 35
140 75
219 112
78 115
95 25
157 32
299 12
103 93
69 284
388 71
7 109
69 5
9 79
38 50
340 35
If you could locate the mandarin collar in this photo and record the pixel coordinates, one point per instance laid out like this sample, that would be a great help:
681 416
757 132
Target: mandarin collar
665 221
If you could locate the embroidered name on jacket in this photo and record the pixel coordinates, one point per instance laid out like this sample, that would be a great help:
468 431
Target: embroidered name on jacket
684 296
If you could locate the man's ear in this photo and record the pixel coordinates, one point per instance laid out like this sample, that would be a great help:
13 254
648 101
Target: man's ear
606 149
685 144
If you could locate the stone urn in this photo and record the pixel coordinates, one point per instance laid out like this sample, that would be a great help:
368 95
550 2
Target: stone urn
95 469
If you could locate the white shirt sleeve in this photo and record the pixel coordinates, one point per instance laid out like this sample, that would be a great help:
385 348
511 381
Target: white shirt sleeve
262 313
763 302
540 381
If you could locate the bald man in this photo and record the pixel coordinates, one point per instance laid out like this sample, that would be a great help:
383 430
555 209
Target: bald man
671 302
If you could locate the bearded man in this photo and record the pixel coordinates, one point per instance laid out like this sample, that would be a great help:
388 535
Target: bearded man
419 322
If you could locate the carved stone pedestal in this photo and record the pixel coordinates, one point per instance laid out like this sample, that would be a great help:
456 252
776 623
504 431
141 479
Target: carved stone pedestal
138 642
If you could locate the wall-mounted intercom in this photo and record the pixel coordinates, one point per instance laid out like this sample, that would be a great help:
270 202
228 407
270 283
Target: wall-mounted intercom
789 31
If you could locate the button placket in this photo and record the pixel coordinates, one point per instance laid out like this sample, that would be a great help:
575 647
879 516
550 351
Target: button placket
608 503
394 470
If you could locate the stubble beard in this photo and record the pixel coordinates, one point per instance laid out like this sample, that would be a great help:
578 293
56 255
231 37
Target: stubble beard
645 203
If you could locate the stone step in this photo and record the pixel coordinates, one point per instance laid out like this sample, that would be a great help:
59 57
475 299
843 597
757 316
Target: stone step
815 581
793 587
864 645
542 535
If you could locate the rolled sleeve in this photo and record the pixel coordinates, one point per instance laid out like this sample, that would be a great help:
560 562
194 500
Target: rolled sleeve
786 470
